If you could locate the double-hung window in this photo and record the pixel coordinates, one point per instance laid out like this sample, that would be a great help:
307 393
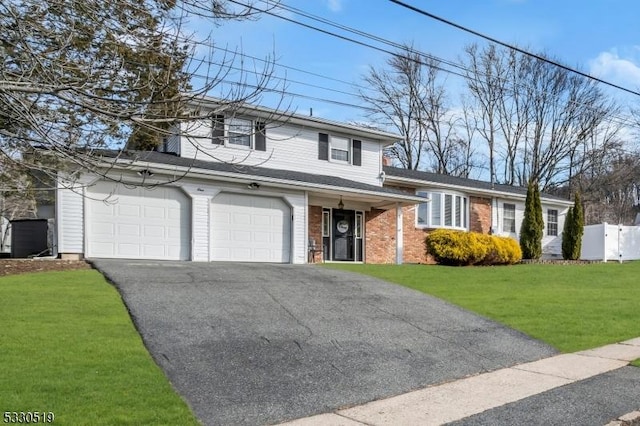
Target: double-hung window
340 149
238 133
445 210
552 222
509 217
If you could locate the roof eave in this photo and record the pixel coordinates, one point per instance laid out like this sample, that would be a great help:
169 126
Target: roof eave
470 189
387 138
138 165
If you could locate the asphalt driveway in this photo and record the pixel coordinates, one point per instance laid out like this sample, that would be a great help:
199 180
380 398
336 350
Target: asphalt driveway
263 343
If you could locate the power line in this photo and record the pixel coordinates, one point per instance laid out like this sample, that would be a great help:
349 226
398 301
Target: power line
510 46
345 28
342 37
619 120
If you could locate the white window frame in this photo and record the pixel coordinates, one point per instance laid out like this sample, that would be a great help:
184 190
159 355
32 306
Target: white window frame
550 222
326 223
229 134
435 210
333 145
512 207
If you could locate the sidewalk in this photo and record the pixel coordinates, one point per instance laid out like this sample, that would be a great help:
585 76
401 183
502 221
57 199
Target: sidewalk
462 398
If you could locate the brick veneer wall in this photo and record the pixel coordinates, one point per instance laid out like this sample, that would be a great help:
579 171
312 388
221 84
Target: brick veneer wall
480 215
415 249
380 231
380 236
315 229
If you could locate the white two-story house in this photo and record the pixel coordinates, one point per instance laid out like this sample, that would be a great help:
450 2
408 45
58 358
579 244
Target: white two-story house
257 185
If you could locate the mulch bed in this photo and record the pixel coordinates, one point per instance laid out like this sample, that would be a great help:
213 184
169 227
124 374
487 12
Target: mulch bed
22 266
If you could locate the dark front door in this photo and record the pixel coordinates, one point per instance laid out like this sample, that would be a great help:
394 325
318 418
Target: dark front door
343 235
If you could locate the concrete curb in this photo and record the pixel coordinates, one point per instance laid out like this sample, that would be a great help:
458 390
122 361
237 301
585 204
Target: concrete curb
439 404
629 419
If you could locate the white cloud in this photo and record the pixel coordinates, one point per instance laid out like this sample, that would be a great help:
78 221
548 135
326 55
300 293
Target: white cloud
620 69
334 5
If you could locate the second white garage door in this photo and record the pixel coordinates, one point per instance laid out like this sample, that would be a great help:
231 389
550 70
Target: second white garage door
247 228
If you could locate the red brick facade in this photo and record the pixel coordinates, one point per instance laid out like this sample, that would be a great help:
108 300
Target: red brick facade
315 232
480 215
380 232
414 248
380 236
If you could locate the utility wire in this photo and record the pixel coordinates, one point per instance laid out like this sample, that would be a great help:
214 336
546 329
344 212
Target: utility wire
620 120
342 37
513 47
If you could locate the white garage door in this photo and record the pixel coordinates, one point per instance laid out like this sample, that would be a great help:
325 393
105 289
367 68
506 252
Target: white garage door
138 223
247 228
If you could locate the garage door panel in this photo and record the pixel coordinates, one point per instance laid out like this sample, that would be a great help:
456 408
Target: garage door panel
125 229
156 232
131 250
128 210
151 212
138 223
250 228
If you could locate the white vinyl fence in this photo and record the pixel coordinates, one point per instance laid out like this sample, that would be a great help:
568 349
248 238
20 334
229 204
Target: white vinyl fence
610 242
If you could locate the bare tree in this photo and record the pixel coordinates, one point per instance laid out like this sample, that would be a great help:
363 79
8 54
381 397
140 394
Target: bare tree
486 80
392 98
81 76
409 96
532 112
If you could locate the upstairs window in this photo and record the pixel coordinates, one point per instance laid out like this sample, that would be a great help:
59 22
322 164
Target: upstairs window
339 149
509 217
552 223
445 210
238 133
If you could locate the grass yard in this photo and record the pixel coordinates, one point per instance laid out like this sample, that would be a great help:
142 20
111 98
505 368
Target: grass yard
67 346
570 307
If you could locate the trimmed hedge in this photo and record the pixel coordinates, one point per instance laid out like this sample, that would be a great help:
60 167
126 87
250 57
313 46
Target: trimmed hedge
458 248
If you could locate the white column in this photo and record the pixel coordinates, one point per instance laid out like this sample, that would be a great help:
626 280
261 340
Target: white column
200 224
399 234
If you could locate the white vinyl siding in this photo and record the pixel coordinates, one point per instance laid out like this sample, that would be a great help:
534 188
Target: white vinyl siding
288 148
551 245
200 225
70 219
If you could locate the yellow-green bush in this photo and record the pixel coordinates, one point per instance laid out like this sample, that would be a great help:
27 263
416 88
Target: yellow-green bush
458 248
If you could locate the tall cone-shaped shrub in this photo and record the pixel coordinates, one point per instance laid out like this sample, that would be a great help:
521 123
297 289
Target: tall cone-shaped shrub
573 230
578 220
532 224
567 235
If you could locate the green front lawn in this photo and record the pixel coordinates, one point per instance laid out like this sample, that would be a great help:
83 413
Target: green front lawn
570 307
67 346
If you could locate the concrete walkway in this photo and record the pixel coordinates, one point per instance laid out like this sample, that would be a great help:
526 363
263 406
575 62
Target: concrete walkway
459 399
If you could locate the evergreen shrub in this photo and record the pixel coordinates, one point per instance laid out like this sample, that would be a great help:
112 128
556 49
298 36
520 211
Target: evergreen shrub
459 248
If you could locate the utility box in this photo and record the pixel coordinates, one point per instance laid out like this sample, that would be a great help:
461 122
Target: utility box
29 238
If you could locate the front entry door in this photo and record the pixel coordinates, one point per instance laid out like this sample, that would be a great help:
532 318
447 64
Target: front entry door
343 235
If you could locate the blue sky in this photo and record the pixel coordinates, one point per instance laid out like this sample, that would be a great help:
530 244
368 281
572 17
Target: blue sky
599 37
